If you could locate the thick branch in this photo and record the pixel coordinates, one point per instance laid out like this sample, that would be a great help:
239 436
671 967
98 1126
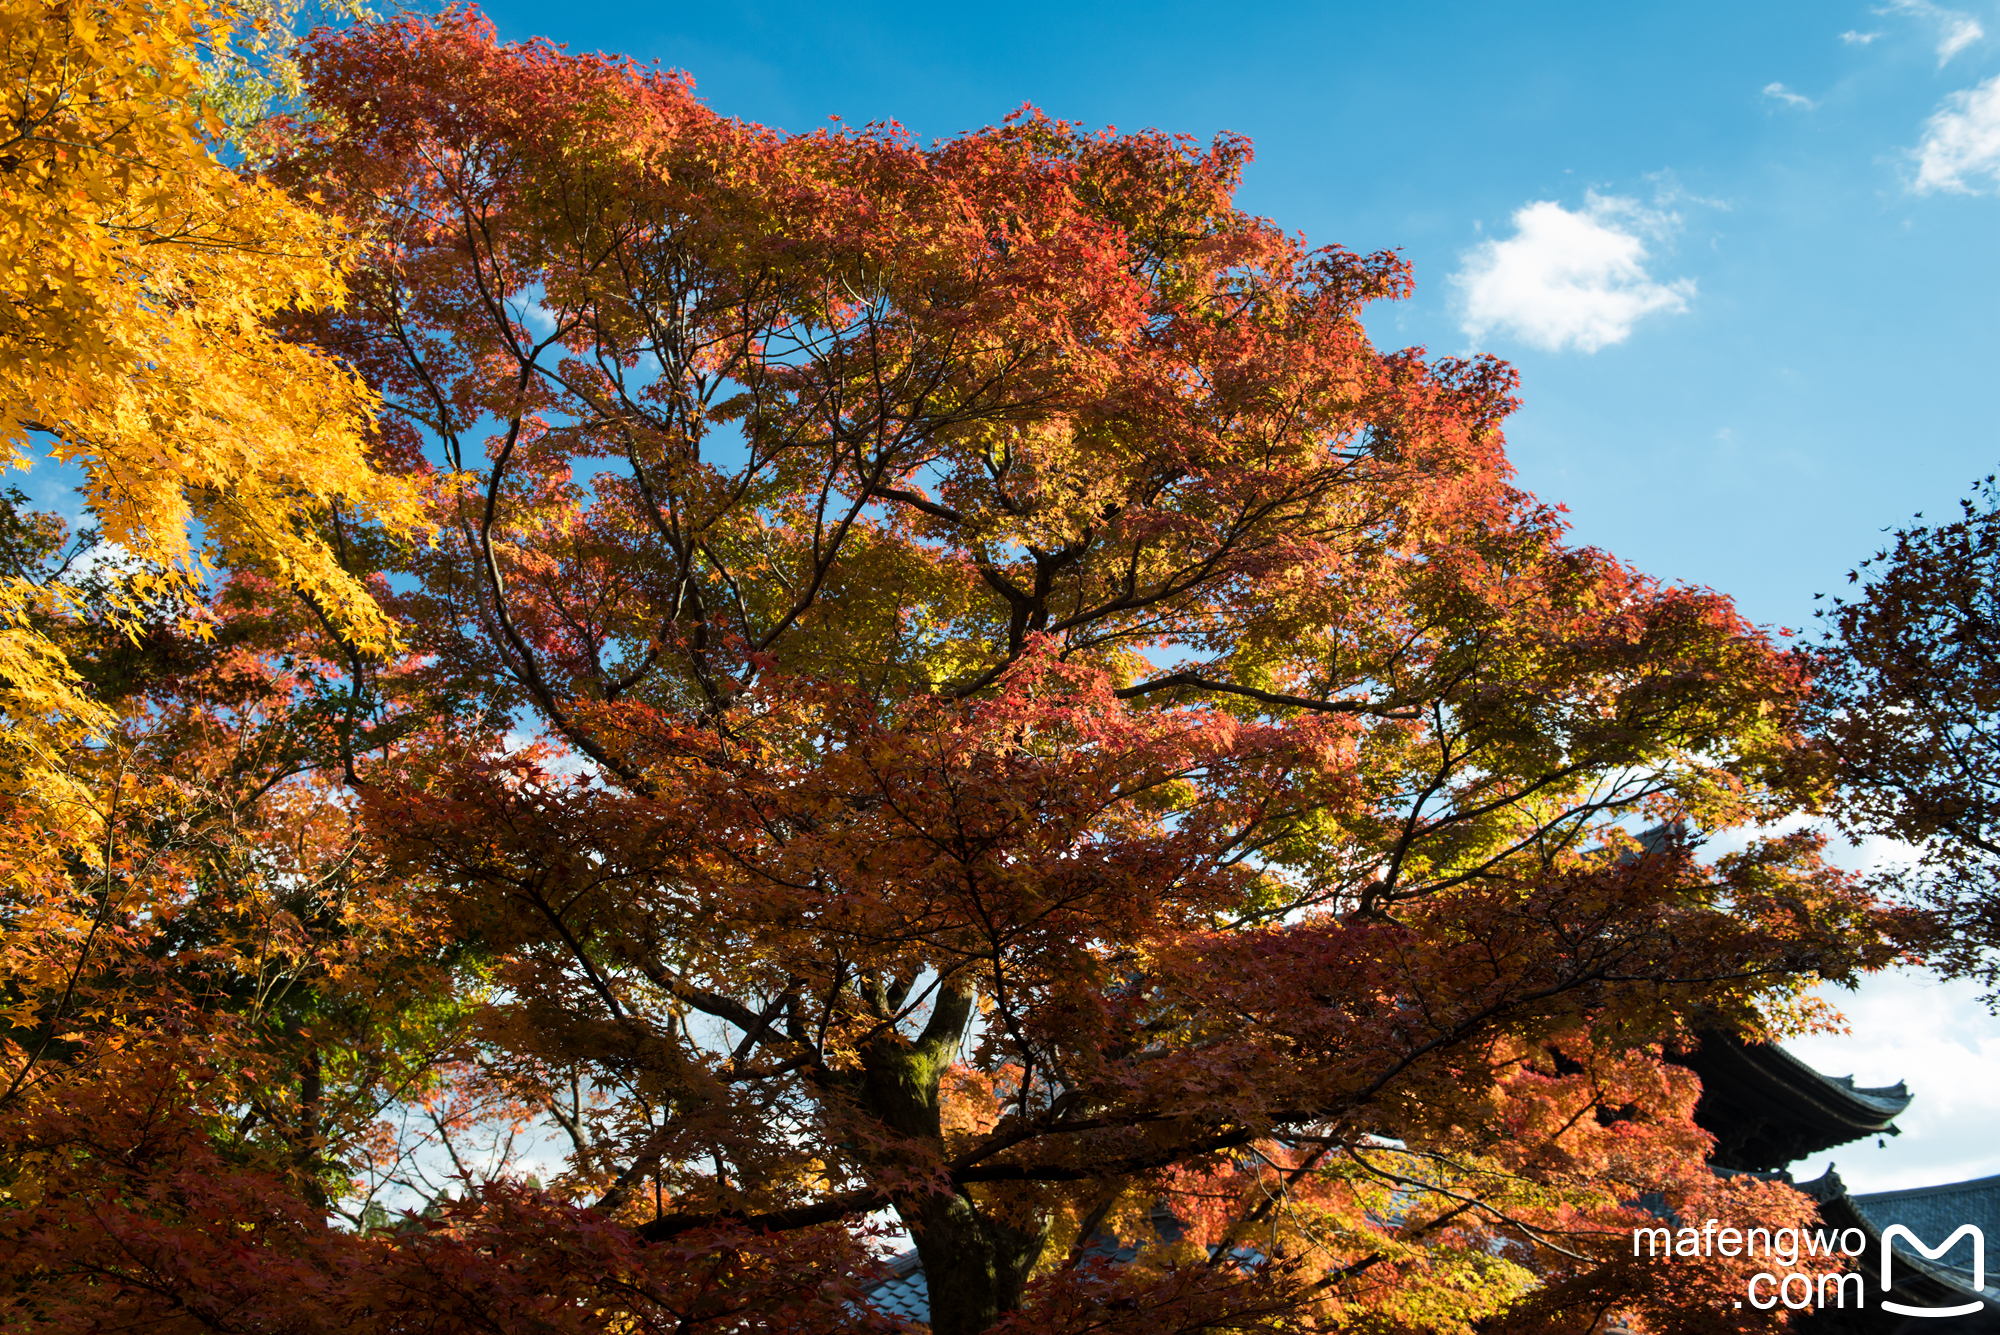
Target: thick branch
1196 681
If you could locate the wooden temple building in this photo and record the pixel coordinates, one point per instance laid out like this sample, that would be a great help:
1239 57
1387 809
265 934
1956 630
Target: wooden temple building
1767 1110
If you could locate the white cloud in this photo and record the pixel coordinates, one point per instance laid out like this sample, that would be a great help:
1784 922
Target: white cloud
538 318
1853 38
110 559
1906 1025
1788 97
1569 279
1962 142
1956 29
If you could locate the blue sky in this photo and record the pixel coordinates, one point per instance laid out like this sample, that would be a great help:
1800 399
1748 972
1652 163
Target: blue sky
1744 255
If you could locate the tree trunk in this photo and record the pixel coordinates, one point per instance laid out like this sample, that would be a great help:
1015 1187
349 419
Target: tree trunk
974 1263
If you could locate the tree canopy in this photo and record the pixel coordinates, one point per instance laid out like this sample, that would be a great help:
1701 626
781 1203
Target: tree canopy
136 334
1909 704
950 684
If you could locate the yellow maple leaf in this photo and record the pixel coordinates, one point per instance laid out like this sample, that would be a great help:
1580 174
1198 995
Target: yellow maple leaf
139 279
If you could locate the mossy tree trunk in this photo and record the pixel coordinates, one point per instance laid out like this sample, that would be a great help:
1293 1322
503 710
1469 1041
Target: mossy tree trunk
975 1263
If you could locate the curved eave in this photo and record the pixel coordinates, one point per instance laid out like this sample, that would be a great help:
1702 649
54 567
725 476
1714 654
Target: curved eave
1767 1108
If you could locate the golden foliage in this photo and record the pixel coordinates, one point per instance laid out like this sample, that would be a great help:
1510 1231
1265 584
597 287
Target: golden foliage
139 279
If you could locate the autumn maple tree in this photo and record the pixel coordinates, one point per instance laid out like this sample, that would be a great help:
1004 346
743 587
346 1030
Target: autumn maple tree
162 850
137 346
1909 709
951 685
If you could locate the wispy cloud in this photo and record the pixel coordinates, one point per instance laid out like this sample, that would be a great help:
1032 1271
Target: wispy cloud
1853 38
1956 28
1570 279
1783 94
1907 1025
1962 143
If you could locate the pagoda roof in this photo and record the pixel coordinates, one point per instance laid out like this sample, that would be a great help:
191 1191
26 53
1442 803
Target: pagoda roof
1766 1108
1933 1214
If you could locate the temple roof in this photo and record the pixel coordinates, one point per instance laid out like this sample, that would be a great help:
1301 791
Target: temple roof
1766 1108
1933 1214
903 1291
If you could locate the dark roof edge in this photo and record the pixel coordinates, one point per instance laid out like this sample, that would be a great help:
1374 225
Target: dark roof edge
1916 1278
1889 1099
1873 1108
1943 1189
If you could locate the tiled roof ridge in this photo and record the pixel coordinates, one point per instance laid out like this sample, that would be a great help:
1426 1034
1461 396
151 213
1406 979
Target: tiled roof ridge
1922 1280
1991 1182
1890 1099
902 1263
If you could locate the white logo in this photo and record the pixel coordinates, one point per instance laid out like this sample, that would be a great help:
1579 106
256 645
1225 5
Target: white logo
1889 1236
